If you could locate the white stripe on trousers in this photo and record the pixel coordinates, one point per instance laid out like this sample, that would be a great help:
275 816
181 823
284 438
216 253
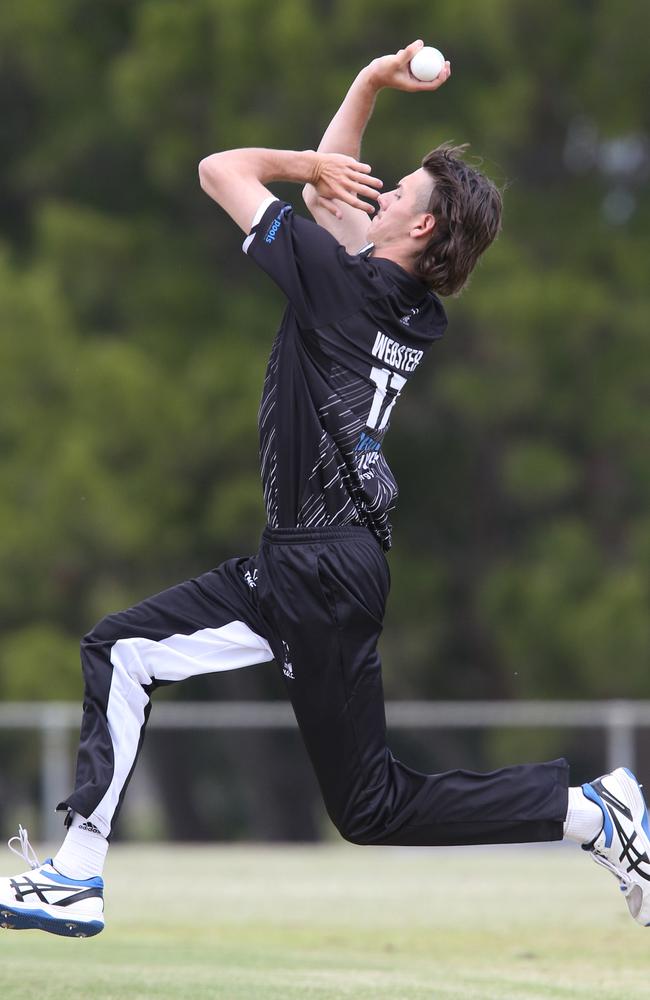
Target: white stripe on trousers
138 662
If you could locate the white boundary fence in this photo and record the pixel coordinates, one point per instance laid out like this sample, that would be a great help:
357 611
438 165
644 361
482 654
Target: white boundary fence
55 721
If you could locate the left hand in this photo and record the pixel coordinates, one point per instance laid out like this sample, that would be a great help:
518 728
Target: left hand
339 176
394 71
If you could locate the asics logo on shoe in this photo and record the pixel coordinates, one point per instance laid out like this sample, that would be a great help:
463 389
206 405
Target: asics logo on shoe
611 799
629 853
24 886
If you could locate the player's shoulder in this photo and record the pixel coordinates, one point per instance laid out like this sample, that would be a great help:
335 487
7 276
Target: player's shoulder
404 300
313 240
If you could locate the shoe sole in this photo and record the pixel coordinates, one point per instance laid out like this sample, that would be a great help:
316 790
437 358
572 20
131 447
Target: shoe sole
25 920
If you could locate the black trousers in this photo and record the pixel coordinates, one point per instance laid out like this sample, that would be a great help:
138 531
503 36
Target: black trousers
314 601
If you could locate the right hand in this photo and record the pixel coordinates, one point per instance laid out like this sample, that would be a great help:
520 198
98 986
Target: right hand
339 176
394 71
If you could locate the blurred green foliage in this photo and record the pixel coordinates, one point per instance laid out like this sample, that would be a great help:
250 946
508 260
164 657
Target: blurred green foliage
134 334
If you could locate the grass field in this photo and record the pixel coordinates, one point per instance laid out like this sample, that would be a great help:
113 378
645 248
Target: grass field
233 923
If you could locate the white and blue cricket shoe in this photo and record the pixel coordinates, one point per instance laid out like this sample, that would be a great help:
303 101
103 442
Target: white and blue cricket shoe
623 845
43 899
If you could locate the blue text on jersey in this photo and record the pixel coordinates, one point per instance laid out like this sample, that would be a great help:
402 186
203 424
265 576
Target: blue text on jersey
273 229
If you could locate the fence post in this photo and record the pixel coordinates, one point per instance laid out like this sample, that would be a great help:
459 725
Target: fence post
55 769
621 743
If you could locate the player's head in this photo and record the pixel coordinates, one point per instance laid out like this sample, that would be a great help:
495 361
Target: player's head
441 217
466 206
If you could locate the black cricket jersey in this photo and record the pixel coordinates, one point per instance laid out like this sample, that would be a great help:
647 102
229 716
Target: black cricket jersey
354 331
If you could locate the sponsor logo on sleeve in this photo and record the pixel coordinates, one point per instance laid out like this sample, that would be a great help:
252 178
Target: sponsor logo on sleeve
274 228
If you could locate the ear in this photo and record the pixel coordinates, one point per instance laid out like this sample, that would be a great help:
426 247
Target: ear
423 226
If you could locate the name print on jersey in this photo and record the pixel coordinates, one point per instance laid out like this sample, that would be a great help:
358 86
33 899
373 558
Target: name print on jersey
389 383
395 354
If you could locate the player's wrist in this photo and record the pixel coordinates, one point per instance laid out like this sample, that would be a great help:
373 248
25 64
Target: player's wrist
314 166
369 79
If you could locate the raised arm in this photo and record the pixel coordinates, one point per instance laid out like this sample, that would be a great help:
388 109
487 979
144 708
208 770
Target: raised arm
349 224
236 179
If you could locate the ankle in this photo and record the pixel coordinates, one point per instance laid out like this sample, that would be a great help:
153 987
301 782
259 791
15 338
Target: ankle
83 852
584 819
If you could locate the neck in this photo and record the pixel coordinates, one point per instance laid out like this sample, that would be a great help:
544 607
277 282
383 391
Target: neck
397 255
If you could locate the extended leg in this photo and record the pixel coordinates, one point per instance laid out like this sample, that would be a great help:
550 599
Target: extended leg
204 625
330 628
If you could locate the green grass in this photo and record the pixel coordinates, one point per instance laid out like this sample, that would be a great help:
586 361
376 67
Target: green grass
233 923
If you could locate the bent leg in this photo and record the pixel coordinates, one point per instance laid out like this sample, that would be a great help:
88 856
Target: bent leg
204 625
330 630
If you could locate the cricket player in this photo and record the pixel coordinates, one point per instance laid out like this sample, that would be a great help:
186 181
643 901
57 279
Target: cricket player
363 284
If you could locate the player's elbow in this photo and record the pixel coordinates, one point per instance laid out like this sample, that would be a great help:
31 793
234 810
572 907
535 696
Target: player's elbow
211 172
204 171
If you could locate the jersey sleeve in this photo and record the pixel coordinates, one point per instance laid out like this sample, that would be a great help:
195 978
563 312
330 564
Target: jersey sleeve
319 278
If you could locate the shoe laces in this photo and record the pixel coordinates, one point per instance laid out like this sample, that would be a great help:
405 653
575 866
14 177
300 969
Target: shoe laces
25 849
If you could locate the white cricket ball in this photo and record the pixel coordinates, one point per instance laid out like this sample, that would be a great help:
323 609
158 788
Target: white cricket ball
427 63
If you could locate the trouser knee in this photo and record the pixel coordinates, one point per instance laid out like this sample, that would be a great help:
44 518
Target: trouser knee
360 826
107 631
96 645
360 836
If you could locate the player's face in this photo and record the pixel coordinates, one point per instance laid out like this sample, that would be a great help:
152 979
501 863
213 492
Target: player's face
399 209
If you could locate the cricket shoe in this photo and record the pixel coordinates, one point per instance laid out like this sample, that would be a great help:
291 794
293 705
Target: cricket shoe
623 845
43 899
